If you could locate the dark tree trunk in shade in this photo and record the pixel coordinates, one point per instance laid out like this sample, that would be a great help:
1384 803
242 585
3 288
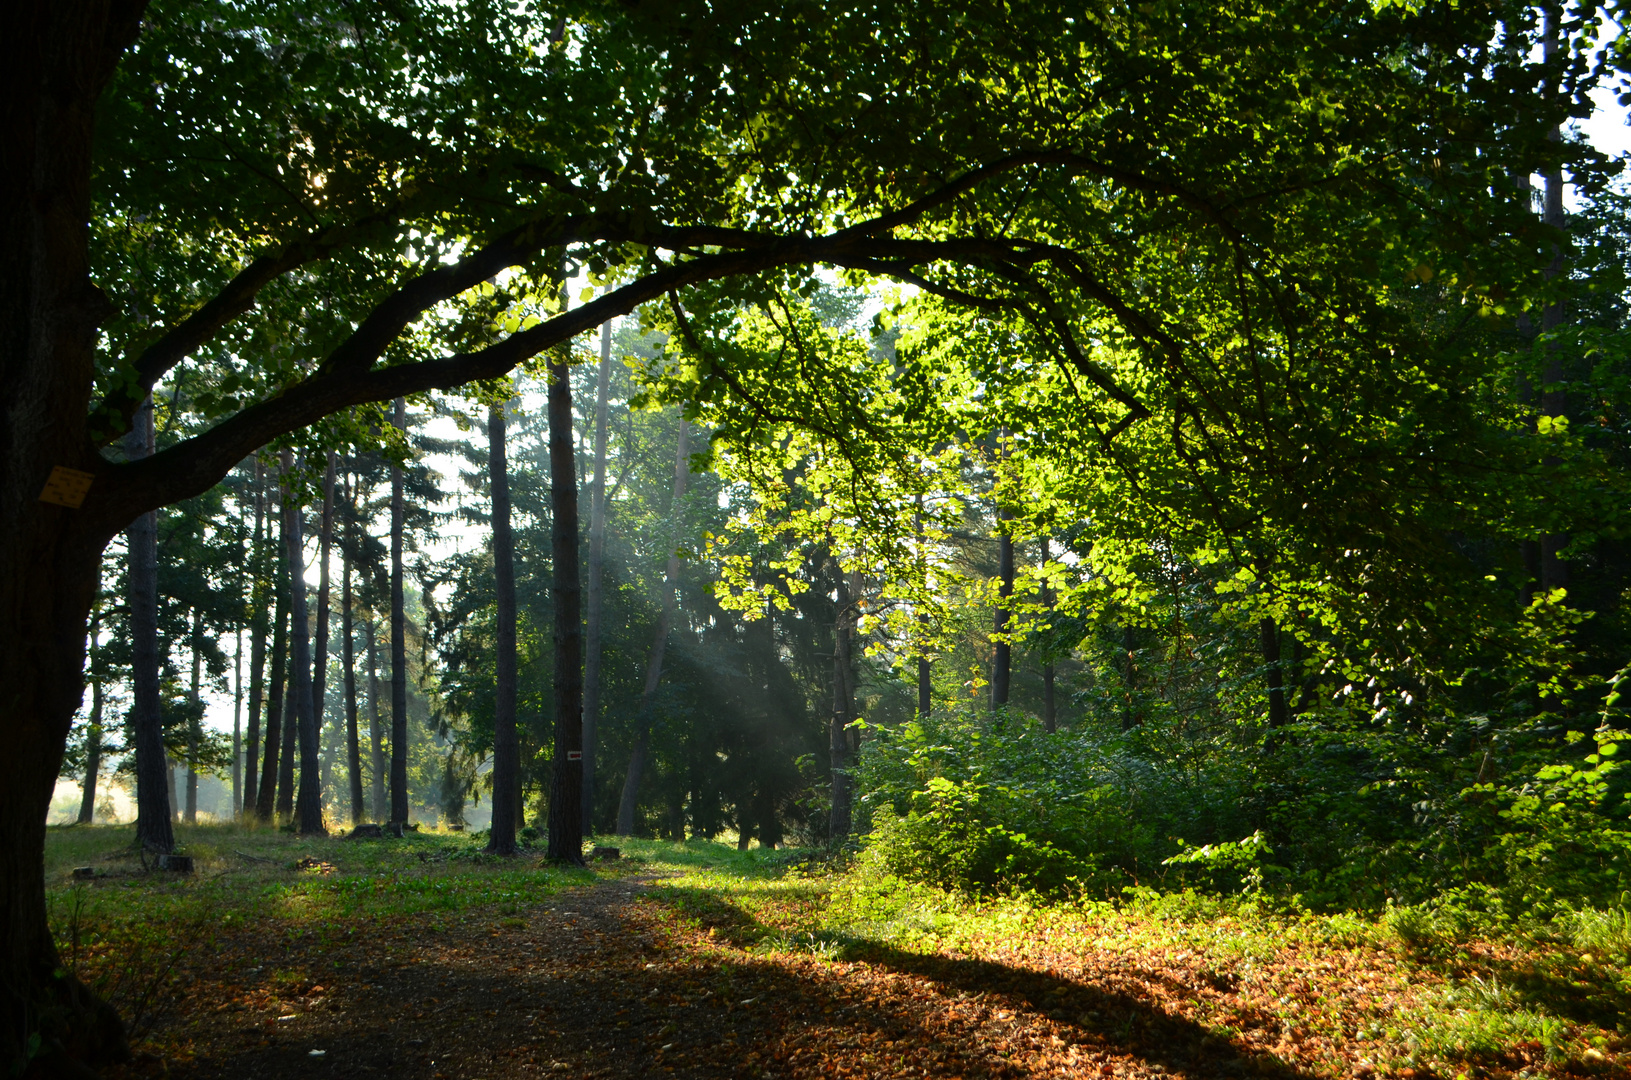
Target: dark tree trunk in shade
506 749
259 595
289 740
237 722
1050 715
325 547
1002 658
266 796
348 664
1554 399
155 829
630 801
55 59
1268 633
308 809
838 740
399 643
1129 718
195 731
376 727
93 730
597 557
566 793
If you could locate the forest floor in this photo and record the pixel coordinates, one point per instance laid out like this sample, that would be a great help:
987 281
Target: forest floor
421 958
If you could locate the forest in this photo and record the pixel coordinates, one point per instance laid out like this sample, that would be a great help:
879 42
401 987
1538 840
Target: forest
1023 539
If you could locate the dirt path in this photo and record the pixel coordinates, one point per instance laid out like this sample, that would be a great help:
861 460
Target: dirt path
611 981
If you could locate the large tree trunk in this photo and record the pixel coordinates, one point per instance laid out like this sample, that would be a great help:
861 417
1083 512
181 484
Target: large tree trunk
54 60
348 663
308 810
289 744
265 797
259 594
155 829
659 644
399 645
597 557
237 719
506 750
566 794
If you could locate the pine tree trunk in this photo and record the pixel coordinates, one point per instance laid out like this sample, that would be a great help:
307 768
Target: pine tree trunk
93 730
237 719
597 557
376 733
654 667
289 739
506 750
259 595
325 547
308 810
399 644
195 731
1268 633
266 795
348 663
155 830
565 843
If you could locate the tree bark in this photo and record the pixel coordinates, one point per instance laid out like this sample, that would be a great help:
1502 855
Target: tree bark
155 829
839 754
237 719
259 594
659 644
93 730
266 795
1268 632
289 746
325 546
1050 718
54 60
506 749
399 644
348 663
195 731
308 810
376 733
566 794
1002 659
597 556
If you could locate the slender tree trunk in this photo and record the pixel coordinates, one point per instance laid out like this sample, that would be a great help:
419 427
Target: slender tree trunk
325 547
597 556
1268 633
237 720
566 796
1130 677
266 795
195 731
1554 400
506 749
308 810
654 667
289 746
376 733
1002 660
399 644
155 830
259 594
843 712
348 663
1050 718
93 730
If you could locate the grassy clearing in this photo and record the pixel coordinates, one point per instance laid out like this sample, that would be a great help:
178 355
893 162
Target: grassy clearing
1411 994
